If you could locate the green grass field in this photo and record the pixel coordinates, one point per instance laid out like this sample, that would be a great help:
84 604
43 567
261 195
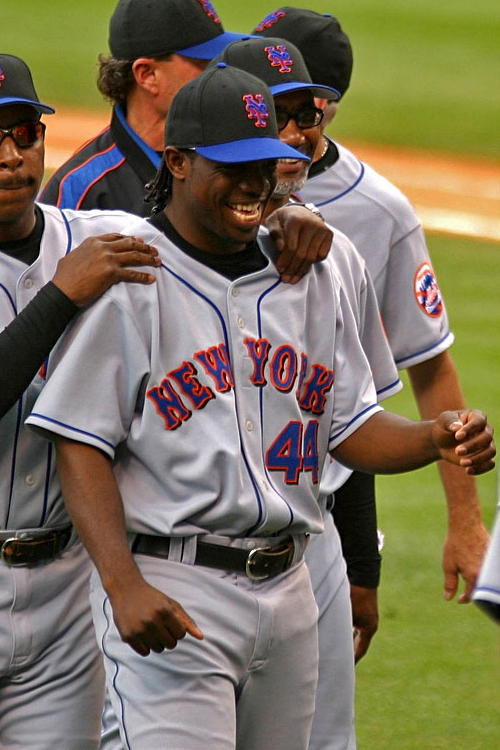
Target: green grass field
431 679
427 75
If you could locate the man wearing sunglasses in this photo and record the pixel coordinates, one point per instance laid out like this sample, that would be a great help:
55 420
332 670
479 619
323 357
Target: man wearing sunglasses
50 672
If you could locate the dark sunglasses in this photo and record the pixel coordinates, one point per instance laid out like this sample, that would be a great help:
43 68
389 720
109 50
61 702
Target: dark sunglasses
306 118
25 134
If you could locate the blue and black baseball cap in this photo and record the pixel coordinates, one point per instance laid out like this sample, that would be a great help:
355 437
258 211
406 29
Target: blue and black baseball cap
324 45
154 28
227 115
16 85
277 62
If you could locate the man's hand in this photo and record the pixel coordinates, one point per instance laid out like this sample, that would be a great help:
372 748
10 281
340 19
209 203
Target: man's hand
99 262
463 553
465 438
301 239
148 620
365 618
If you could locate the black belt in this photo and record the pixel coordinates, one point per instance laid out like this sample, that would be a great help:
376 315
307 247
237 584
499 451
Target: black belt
26 549
258 563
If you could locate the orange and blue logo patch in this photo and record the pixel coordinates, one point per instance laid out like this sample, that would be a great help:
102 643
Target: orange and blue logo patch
256 109
427 292
209 10
279 57
270 20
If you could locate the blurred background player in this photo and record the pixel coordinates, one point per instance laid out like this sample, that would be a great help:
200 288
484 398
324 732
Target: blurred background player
383 226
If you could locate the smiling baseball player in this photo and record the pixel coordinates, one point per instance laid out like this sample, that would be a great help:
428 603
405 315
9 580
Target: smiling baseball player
191 466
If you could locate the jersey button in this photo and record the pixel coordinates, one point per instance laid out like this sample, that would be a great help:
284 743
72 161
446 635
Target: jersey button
28 283
249 425
241 322
235 291
30 479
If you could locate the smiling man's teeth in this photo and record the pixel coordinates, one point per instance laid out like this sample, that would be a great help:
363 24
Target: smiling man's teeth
246 211
245 207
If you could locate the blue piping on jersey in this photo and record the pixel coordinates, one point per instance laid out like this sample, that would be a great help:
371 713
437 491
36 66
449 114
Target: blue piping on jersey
116 665
361 413
73 429
423 351
389 387
226 340
487 589
9 297
341 195
150 152
68 231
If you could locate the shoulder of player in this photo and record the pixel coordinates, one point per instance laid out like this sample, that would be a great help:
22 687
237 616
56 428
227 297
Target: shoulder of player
376 188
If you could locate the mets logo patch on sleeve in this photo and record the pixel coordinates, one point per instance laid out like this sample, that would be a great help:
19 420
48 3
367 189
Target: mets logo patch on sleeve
427 291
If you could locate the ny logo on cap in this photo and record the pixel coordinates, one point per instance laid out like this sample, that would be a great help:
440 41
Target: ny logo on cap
279 57
209 10
257 109
2 77
270 20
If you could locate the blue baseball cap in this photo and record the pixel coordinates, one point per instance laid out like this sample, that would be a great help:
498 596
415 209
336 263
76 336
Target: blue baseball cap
16 85
155 28
227 115
277 62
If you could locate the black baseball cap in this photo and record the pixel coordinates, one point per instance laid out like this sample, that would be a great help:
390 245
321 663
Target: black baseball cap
16 85
277 62
227 115
325 48
153 28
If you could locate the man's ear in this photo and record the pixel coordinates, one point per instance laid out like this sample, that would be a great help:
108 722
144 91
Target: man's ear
178 162
144 70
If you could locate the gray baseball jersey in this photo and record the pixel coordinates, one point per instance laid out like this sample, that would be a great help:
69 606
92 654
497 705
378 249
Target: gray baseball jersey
385 230
46 631
298 394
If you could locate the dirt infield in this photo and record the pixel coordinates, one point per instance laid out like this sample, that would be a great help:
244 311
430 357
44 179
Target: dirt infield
452 194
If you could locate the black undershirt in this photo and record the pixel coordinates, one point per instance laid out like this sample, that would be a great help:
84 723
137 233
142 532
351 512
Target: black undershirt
326 161
229 265
27 341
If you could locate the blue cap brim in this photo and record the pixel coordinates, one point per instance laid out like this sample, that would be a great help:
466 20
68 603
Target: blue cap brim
322 92
43 108
212 48
250 149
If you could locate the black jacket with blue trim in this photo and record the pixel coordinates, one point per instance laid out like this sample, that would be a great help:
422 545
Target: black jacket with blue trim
108 172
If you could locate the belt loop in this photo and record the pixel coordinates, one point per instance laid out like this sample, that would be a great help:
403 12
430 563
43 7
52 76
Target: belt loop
188 549
176 549
300 542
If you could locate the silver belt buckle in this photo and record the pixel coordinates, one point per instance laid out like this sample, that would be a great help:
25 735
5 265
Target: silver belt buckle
251 560
4 553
